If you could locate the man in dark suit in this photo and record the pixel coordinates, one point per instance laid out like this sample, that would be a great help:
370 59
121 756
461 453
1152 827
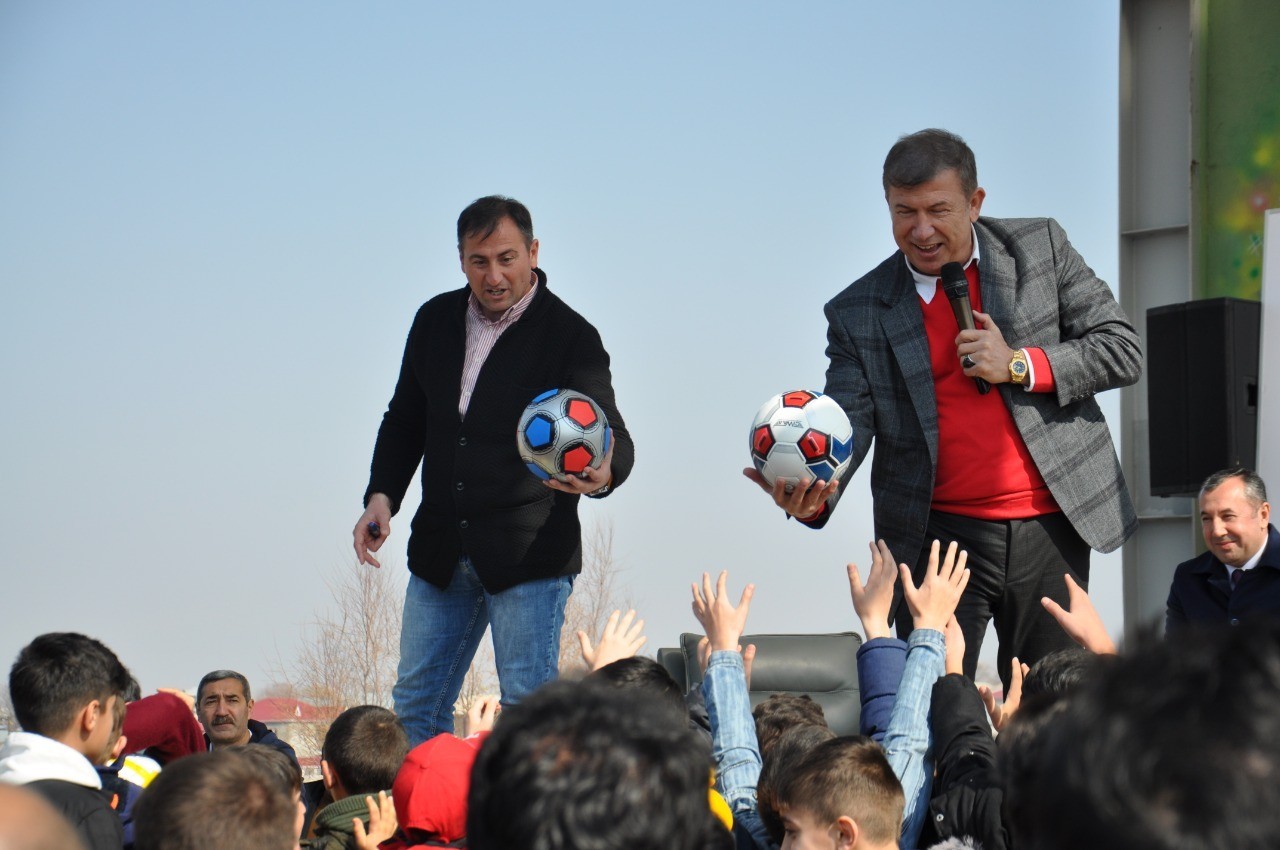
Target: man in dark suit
1024 477
491 545
1239 577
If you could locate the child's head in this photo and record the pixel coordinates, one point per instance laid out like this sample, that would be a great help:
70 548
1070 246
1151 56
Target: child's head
363 749
645 675
842 794
789 750
430 790
282 770
218 799
781 712
70 688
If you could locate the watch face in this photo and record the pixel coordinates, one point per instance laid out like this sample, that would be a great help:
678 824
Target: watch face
1019 368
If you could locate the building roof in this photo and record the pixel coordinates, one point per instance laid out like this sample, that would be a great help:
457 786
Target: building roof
272 710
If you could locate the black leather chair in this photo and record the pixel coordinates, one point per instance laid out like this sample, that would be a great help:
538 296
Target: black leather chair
823 666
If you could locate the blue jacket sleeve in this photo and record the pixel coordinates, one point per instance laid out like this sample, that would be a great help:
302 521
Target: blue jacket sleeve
880 664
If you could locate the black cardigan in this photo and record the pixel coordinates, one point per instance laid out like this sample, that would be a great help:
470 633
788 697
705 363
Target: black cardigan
478 498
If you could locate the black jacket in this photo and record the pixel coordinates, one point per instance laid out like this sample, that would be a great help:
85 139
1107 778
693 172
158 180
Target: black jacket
87 809
478 498
967 795
1201 590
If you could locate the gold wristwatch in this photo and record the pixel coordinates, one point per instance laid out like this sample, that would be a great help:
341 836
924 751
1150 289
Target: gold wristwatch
1018 367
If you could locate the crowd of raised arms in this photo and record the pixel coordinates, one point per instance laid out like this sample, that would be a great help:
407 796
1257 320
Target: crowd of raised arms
1172 743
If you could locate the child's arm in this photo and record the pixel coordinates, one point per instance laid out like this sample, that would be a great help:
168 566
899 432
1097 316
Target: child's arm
907 743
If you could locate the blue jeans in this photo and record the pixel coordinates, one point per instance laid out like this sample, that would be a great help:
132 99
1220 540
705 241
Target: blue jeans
442 628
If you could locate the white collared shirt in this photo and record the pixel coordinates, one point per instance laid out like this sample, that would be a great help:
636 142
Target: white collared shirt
482 334
1249 564
927 285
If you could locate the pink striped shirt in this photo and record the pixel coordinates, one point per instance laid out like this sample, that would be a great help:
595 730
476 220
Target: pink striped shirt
481 336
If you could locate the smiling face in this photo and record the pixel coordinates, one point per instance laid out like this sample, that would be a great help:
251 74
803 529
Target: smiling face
499 267
1234 528
933 221
224 713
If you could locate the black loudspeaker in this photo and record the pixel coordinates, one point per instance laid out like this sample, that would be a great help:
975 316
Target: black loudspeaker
1202 391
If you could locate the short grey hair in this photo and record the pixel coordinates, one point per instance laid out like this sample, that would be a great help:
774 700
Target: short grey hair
1254 489
218 676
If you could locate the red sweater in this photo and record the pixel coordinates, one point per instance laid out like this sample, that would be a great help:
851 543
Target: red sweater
984 469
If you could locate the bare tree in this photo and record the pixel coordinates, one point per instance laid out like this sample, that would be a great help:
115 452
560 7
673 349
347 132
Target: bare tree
597 593
349 652
8 722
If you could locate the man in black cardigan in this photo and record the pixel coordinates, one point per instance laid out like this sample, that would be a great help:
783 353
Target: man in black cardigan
491 544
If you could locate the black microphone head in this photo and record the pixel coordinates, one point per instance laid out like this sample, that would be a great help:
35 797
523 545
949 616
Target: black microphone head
954 283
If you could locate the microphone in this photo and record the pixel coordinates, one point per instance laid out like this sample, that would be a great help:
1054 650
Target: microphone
956 285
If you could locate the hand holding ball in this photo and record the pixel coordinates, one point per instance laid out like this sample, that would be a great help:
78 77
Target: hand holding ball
562 433
801 434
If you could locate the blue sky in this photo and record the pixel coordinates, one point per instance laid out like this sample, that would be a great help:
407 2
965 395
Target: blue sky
219 219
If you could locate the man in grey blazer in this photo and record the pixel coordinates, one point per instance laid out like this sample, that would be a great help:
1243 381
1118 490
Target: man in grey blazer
1025 477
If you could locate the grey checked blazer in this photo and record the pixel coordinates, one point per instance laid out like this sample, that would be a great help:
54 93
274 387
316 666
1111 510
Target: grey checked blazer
1040 293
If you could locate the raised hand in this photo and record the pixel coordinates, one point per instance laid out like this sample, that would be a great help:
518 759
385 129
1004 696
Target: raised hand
482 714
935 600
1080 620
955 646
382 822
722 621
1002 714
874 600
621 637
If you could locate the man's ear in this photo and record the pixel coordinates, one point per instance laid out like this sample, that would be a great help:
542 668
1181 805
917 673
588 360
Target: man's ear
847 832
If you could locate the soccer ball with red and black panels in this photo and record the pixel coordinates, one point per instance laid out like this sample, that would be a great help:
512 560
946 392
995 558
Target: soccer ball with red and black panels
562 433
801 434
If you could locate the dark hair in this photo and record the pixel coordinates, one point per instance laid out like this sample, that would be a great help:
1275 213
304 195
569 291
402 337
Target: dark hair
1254 488
218 676
781 712
483 216
1018 763
1176 744
1059 673
788 750
638 673
579 765
274 764
215 799
57 675
365 747
847 777
919 157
